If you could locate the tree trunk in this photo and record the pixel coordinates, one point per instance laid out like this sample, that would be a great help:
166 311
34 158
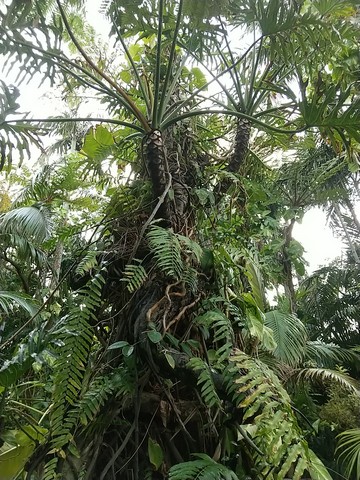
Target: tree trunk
241 145
56 267
158 170
287 268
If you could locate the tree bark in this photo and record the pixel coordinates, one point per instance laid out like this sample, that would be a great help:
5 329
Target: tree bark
287 267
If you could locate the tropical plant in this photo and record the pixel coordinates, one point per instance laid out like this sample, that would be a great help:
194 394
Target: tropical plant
155 353
349 451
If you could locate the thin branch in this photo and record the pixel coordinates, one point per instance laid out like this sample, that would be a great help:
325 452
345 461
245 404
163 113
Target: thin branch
188 100
170 63
116 454
135 110
80 119
155 122
18 270
131 60
233 113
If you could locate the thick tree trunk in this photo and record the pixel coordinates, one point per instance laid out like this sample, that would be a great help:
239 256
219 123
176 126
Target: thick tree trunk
157 166
241 145
236 163
167 177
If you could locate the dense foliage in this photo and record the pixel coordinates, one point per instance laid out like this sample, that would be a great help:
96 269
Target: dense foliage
157 320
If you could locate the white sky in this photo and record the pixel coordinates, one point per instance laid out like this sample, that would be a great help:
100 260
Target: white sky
313 233
317 239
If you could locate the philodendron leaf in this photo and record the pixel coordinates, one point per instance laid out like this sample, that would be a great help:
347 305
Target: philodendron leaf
155 453
17 448
98 143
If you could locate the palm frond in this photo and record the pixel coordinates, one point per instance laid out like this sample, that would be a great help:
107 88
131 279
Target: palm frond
33 222
9 299
348 451
289 334
15 140
328 375
26 249
329 355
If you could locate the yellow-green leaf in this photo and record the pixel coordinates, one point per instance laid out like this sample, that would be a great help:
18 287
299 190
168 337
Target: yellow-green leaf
155 453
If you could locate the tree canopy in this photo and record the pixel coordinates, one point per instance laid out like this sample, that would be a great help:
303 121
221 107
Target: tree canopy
142 247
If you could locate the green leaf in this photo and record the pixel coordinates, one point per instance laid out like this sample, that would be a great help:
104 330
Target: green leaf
135 50
199 77
128 350
254 324
8 299
155 453
316 468
17 448
207 260
13 460
154 336
98 143
125 76
117 345
203 195
170 360
289 334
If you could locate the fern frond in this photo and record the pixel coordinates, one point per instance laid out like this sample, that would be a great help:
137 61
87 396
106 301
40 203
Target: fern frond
274 430
221 327
167 251
205 382
134 276
98 393
77 338
88 262
190 278
192 246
